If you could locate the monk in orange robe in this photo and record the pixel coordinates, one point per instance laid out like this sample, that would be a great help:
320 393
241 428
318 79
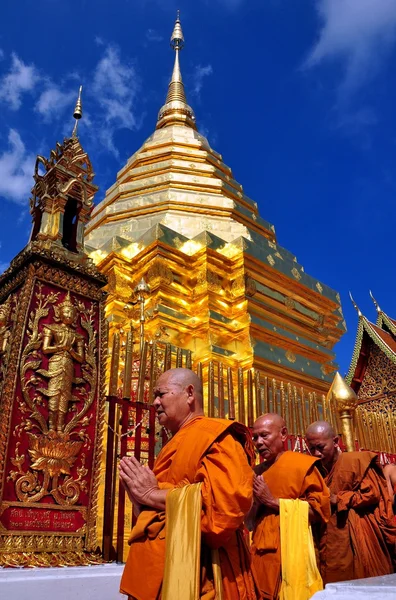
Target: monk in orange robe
359 540
390 474
281 474
218 454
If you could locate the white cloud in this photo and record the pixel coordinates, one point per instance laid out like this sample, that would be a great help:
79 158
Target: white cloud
16 170
53 101
115 85
199 74
20 79
153 36
356 32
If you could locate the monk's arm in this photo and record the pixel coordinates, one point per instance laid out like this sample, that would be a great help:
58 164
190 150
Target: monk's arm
367 494
227 490
250 518
317 494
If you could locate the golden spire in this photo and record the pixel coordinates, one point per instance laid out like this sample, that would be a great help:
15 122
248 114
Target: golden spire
355 306
375 303
346 401
77 113
176 110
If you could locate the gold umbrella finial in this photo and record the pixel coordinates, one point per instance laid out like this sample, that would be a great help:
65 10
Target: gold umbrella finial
176 110
355 306
77 113
177 38
345 400
377 306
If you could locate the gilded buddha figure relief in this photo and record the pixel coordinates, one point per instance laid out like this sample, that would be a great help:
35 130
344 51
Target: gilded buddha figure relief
58 374
65 347
5 311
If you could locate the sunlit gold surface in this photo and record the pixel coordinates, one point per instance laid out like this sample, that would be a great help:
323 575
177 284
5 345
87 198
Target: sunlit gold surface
221 285
345 400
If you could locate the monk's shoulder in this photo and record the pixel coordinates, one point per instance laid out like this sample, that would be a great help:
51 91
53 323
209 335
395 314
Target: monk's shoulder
357 461
297 460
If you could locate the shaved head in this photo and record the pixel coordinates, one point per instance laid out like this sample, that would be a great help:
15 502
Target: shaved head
178 398
273 419
184 378
322 427
322 442
269 436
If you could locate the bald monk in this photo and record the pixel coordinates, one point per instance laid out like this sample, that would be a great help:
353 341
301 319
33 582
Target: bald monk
359 540
214 452
281 474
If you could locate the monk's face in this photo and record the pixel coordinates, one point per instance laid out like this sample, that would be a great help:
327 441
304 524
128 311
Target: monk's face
171 402
268 438
323 446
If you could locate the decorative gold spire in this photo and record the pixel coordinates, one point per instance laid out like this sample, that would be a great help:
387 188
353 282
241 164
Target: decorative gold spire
176 111
375 303
355 306
346 401
77 113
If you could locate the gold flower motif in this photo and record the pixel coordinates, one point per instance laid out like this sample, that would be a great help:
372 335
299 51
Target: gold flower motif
55 454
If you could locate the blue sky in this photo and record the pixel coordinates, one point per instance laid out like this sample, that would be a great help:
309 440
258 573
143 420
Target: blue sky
298 96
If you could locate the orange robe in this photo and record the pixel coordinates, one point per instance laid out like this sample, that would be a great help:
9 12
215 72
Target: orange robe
215 452
292 476
359 540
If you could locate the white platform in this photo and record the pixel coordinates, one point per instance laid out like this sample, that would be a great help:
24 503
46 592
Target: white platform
98 582
102 582
374 588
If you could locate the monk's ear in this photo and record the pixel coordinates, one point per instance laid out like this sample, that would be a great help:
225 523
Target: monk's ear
190 394
336 441
284 434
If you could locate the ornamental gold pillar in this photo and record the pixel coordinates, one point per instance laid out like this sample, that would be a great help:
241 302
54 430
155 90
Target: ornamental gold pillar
52 355
345 401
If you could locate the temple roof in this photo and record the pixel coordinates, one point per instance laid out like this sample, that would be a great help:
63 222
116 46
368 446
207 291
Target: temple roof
382 335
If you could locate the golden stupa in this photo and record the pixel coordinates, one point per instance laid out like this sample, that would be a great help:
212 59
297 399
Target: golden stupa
220 284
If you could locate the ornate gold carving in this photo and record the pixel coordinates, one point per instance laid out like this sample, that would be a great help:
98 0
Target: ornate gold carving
238 286
159 272
250 286
271 260
290 356
5 311
296 273
289 303
51 447
214 281
319 287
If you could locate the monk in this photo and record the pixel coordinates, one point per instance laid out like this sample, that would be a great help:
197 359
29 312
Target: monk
281 475
215 453
390 474
359 540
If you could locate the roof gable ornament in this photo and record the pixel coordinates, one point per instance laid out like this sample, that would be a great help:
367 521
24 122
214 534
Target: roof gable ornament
355 306
377 307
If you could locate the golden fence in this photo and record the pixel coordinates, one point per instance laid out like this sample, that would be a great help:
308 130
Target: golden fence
375 422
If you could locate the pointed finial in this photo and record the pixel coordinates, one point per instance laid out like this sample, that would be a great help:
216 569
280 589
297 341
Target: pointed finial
343 395
77 113
375 302
355 306
176 111
177 38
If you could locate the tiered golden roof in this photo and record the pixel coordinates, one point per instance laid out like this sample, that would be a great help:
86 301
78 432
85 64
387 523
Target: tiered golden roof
221 285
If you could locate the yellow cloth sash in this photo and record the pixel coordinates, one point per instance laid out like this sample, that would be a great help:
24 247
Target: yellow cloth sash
183 546
300 575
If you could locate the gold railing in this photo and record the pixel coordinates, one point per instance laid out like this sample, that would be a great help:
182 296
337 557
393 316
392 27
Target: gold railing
375 426
246 394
